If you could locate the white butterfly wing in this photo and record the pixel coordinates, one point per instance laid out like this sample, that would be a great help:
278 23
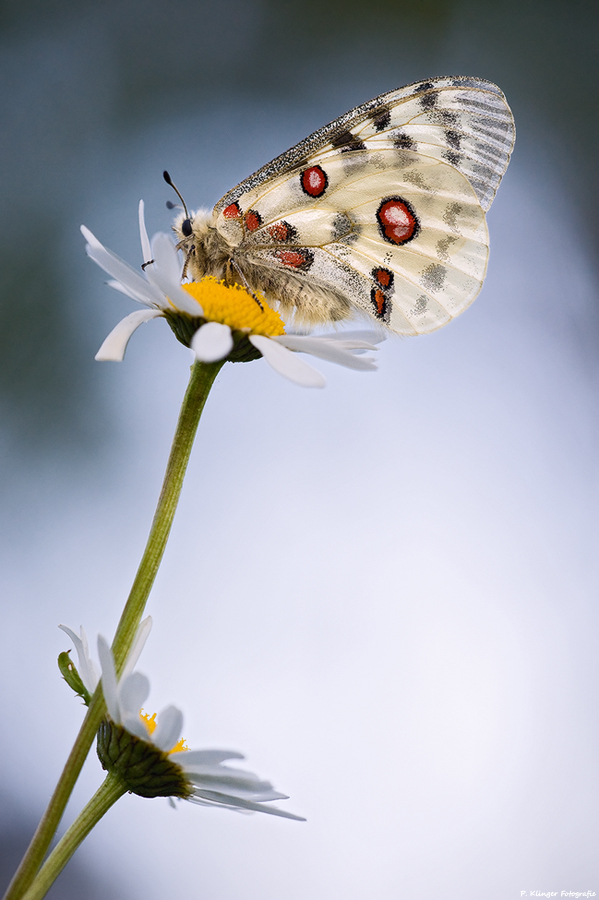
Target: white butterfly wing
383 208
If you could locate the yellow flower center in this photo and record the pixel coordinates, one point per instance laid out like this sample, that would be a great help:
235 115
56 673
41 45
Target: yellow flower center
234 306
150 723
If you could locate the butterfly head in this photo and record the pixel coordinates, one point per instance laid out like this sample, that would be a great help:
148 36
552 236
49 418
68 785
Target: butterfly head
206 253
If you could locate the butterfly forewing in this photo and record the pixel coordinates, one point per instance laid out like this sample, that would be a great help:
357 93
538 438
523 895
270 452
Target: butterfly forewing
477 106
383 209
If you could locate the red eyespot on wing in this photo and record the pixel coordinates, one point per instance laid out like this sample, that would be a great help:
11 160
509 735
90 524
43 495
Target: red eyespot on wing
296 259
397 221
314 181
252 220
232 211
282 231
383 276
278 231
380 303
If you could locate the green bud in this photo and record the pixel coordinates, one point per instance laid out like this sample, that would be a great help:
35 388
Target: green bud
142 767
72 676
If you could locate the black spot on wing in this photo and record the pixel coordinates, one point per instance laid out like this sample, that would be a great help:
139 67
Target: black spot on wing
429 101
445 117
381 118
453 138
453 158
345 141
342 226
433 277
402 141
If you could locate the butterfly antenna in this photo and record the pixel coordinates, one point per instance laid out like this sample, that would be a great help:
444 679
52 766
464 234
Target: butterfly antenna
172 184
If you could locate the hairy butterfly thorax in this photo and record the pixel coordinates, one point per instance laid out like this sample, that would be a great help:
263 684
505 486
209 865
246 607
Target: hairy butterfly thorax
206 251
381 212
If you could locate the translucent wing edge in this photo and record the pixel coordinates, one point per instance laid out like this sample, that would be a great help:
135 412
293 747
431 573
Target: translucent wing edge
306 148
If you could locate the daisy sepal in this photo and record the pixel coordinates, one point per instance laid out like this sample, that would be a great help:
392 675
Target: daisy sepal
87 670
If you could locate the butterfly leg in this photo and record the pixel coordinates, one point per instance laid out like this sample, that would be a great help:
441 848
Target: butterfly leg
242 277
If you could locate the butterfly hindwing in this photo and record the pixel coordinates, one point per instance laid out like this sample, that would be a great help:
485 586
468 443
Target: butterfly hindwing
436 253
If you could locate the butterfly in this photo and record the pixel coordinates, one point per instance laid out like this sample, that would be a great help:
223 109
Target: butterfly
382 211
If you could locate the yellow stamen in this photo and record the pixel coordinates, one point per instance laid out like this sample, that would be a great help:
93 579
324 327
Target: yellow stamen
150 722
233 306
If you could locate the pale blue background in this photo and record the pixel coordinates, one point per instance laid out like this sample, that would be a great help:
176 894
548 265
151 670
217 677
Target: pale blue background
384 593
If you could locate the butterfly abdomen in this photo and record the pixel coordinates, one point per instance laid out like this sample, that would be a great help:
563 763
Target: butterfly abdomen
300 301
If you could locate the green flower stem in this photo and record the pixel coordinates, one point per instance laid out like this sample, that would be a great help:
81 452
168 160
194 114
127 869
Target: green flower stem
200 383
111 790
202 379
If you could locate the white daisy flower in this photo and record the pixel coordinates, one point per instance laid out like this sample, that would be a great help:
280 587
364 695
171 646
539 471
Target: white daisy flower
217 321
147 752
88 671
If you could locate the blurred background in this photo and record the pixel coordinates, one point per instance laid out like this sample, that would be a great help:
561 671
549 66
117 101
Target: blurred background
383 593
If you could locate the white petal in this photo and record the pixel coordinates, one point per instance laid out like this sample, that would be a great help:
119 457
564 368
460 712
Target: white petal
136 725
237 777
133 692
86 668
146 250
113 348
139 641
365 339
122 271
117 286
212 341
169 724
165 274
287 363
109 685
325 349
234 786
233 802
204 757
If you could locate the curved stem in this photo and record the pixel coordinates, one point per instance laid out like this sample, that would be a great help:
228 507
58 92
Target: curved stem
111 790
200 382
